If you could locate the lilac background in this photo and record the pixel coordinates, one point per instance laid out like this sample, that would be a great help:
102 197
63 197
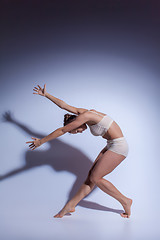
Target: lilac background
91 54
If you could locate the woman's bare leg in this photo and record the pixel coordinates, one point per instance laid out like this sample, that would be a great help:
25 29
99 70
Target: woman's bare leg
83 191
111 190
104 166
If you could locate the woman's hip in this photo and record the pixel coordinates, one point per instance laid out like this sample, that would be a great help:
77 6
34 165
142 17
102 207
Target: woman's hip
118 145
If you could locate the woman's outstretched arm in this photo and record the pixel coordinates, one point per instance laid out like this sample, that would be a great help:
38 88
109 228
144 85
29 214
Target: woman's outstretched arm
60 131
60 103
38 142
44 93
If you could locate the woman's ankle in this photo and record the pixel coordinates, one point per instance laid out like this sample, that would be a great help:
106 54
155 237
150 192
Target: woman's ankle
71 204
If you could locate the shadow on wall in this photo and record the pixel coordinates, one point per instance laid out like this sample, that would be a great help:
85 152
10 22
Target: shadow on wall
61 157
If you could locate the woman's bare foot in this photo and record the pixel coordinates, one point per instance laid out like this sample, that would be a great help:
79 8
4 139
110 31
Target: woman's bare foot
127 207
66 209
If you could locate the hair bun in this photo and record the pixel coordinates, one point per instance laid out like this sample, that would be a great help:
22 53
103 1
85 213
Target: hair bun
66 116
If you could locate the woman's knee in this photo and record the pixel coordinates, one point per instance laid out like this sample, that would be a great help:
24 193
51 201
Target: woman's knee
88 180
94 178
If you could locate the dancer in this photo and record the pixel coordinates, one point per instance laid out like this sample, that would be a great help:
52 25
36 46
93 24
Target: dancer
108 159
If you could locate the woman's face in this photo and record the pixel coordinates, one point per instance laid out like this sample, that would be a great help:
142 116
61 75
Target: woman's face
80 129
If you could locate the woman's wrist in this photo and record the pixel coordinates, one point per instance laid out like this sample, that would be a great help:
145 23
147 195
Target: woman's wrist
41 141
46 94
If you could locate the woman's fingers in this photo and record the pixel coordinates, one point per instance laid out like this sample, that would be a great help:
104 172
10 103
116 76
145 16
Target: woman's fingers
31 145
36 89
40 91
35 93
39 87
33 148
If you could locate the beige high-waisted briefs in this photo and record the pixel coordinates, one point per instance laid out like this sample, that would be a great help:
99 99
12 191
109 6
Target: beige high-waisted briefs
118 145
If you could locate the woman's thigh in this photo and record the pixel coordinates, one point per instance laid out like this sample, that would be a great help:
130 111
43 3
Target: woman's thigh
94 163
106 164
99 156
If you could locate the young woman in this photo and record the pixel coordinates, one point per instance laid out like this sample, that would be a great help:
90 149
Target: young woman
109 158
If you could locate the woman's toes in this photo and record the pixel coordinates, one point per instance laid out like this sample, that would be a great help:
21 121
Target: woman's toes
57 215
124 215
64 211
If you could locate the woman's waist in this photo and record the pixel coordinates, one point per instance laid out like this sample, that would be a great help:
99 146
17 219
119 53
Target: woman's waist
116 139
114 132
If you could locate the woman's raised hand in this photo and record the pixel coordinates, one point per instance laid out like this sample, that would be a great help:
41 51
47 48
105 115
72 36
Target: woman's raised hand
40 91
34 144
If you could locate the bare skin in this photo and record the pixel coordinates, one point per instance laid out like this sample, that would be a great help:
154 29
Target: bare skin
105 162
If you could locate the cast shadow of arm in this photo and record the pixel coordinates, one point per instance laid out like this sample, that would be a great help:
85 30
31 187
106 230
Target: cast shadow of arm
8 117
70 159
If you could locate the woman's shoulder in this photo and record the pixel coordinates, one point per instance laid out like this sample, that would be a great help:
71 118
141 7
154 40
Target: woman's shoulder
97 112
82 110
92 116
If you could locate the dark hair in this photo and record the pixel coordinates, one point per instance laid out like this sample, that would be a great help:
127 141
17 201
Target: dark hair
68 118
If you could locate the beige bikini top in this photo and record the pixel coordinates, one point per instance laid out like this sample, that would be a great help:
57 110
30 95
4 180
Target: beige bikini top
100 128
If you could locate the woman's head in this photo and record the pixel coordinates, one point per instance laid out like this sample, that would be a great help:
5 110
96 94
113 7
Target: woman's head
68 118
